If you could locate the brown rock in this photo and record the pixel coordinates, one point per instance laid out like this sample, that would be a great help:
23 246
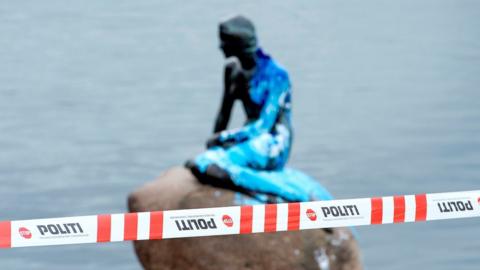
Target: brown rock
178 189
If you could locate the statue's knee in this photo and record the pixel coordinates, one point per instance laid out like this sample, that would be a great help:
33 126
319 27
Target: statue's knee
216 172
190 164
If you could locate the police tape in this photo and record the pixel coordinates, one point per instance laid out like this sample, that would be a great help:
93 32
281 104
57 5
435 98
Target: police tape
239 219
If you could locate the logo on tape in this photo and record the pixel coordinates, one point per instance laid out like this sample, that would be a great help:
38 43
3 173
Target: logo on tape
25 233
311 214
455 206
227 220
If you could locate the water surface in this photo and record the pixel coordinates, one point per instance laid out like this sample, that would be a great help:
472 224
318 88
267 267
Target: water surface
97 98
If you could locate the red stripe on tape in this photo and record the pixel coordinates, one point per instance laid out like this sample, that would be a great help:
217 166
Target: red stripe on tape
5 234
377 211
130 228
246 213
103 228
399 209
421 207
270 218
156 225
293 216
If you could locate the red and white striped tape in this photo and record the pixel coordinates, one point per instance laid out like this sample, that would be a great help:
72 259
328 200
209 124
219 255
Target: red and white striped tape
239 219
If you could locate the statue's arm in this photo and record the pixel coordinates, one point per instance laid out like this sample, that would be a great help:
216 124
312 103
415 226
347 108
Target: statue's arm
223 116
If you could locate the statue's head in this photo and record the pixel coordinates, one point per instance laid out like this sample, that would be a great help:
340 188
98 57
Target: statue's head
237 37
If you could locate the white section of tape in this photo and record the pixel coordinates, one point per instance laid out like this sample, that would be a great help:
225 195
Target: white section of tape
258 218
54 231
343 213
201 222
143 229
410 209
452 205
117 232
282 217
388 209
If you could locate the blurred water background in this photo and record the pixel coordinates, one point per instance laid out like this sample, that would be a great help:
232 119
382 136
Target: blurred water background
99 97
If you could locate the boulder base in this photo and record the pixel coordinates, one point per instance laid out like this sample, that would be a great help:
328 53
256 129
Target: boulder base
178 189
